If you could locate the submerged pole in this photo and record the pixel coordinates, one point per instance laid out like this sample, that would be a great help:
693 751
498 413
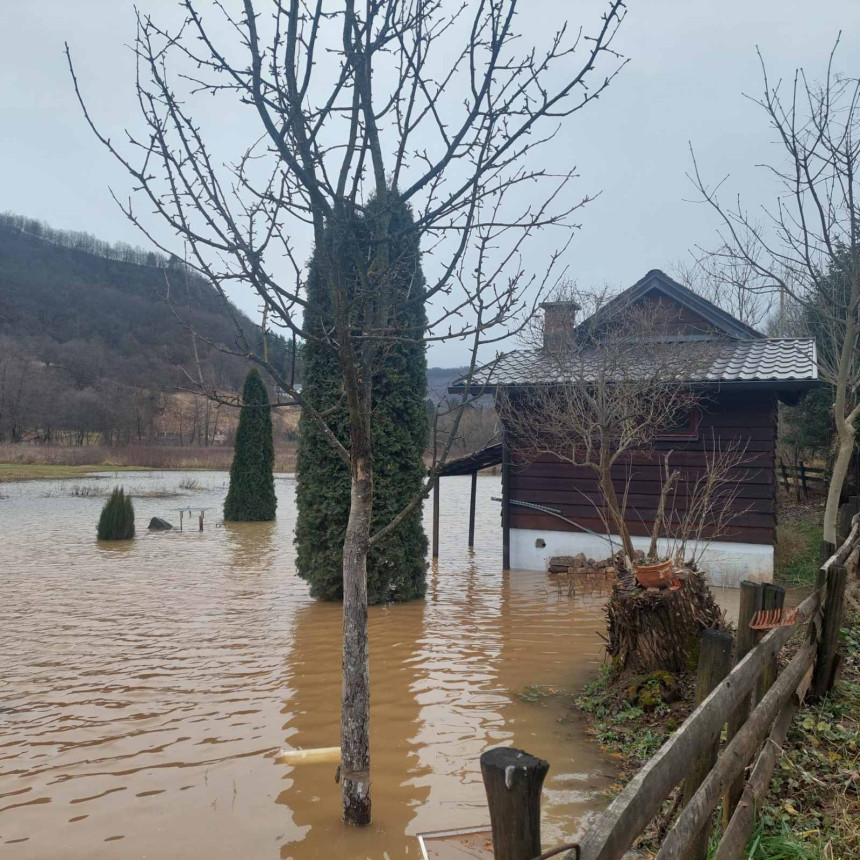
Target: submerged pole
436 518
472 509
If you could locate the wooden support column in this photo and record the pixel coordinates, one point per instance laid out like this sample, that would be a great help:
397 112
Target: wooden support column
436 518
506 504
827 658
513 780
751 598
472 498
715 662
772 597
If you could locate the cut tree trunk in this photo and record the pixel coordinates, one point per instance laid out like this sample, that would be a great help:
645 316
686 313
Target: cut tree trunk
660 629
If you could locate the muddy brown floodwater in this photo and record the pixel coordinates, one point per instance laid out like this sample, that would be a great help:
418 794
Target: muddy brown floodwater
145 685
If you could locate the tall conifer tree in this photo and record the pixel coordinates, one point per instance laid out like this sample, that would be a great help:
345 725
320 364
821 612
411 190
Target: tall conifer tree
396 567
251 497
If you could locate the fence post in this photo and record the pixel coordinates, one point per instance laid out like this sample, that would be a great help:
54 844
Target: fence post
513 780
827 659
751 598
784 475
803 480
772 597
715 661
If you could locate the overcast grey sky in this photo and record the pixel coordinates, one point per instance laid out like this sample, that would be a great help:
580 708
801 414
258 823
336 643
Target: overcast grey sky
690 63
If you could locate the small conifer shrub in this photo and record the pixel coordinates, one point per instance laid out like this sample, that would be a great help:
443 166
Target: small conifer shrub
251 497
117 519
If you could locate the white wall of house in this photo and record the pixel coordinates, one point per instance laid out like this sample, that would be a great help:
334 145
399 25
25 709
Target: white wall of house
726 564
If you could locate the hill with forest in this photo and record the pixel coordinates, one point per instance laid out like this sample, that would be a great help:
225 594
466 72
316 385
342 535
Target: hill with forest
89 344
92 352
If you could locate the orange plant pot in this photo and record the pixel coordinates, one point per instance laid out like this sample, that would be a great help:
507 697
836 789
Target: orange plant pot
654 575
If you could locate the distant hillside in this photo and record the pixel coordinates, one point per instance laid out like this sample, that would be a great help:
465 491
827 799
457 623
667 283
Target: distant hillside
87 342
91 351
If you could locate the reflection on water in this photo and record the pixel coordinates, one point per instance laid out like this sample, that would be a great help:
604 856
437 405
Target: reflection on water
144 687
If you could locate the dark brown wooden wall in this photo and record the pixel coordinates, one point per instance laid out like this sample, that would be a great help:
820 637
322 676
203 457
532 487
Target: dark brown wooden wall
749 416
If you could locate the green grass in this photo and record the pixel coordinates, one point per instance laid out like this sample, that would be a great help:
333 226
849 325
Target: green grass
798 545
813 806
46 472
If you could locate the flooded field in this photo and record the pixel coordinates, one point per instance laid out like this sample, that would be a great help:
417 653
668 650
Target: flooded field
145 687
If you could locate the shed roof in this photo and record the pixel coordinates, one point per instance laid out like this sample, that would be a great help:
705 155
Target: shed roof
777 360
657 280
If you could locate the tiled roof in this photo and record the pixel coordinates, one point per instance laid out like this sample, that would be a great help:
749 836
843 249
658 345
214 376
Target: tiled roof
762 360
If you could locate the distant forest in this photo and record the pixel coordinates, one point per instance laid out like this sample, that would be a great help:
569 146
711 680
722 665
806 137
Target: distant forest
90 348
91 351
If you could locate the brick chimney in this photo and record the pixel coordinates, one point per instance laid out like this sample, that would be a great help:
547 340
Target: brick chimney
558 323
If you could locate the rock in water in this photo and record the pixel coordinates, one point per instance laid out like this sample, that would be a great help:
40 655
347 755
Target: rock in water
157 524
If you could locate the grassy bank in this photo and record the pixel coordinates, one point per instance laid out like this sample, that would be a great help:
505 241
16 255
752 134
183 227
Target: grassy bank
812 809
38 462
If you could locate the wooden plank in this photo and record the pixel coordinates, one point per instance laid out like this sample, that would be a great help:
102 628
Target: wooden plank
525 481
759 470
506 506
772 597
826 662
625 818
715 660
436 518
546 522
750 603
647 515
692 456
472 498
591 500
737 832
736 755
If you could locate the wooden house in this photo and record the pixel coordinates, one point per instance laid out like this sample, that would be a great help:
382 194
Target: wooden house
551 508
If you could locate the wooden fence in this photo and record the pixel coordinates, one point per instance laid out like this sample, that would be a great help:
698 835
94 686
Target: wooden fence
801 480
755 703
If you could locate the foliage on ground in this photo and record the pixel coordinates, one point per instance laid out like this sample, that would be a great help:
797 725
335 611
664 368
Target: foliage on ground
117 518
251 497
631 715
798 543
813 807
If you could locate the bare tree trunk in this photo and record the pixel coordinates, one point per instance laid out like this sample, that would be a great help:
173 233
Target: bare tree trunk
841 464
615 512
355 706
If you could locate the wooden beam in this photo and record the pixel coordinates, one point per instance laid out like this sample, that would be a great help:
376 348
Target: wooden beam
613 833
750 603
773 597
735 756
506 504
472 498
513 780
736 834
436 518
715 661
827 659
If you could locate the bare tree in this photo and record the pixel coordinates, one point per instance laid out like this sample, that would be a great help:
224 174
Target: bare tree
436 106
605 393
729 289
711 501
807 250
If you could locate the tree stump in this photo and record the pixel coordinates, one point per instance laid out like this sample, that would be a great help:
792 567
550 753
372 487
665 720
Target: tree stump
660 629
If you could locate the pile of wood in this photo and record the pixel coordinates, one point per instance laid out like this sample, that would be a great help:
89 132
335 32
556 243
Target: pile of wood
650 629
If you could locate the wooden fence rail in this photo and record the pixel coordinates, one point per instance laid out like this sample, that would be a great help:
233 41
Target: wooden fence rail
801 478
776 699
